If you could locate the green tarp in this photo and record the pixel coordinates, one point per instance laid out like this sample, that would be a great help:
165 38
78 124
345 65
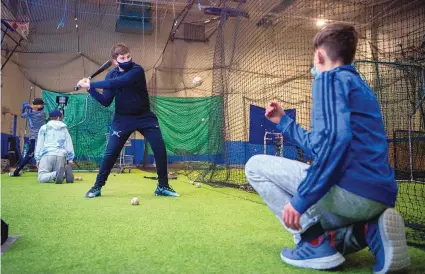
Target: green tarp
190 126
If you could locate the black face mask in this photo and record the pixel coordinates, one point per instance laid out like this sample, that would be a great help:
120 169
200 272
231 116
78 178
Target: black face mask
126 66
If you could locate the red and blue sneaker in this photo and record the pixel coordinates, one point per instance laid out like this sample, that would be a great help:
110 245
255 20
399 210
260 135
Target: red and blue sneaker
318 254
386 238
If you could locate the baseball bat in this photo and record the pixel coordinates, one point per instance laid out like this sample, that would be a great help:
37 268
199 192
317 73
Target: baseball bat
105 66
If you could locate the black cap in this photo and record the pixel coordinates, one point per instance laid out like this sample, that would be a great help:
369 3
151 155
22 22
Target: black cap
38 101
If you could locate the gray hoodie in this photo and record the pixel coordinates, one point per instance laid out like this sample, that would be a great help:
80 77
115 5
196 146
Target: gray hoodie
54 139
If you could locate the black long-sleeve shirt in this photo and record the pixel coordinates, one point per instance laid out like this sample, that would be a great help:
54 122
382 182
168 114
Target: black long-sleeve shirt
128 88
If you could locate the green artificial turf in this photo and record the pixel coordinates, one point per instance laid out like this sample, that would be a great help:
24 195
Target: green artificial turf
207 230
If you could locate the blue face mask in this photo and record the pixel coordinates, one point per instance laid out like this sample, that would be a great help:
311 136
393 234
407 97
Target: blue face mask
314 72
126 66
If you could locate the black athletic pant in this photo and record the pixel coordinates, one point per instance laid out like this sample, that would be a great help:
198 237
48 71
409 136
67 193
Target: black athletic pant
121 129
28 157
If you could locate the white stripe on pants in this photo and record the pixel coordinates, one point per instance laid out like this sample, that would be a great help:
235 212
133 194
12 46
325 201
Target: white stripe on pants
276 180
48 167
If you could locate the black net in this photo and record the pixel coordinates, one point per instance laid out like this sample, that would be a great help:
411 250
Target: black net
399 87
269 56
395 69
72 38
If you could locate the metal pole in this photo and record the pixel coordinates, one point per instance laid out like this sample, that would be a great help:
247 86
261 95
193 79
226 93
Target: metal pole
410 148
145 154
418 105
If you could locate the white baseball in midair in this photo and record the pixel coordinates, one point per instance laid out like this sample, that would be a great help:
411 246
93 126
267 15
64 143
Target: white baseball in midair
197 81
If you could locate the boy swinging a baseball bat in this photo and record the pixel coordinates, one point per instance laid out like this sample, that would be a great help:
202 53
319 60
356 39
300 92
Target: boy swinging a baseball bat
36 117
127 84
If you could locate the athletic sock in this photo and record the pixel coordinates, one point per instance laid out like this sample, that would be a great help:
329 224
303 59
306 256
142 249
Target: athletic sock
360 232
315 234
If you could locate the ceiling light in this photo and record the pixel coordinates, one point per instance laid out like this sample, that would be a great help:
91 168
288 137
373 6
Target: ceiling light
320 22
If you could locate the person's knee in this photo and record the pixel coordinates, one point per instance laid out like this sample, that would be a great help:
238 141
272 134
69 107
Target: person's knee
42 179
253 165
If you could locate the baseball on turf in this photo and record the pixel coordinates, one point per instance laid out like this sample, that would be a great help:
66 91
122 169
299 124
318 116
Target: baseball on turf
198 185
191 182
135 201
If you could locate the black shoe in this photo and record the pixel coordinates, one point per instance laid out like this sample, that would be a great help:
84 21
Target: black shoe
166 191
93 192
13 174
69 175
60 175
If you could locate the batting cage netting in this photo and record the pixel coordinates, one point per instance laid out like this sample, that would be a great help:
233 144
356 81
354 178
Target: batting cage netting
212 66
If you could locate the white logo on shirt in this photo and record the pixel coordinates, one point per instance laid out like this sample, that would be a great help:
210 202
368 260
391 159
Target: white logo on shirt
116 133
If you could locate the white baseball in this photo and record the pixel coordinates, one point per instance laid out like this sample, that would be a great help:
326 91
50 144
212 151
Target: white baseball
135 201
197 81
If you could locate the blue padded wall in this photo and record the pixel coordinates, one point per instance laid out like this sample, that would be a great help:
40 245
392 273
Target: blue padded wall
258 123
